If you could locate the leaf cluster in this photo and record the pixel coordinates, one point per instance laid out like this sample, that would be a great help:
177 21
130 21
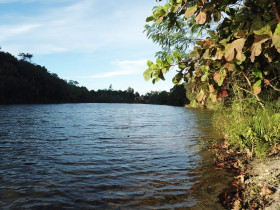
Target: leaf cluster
237 56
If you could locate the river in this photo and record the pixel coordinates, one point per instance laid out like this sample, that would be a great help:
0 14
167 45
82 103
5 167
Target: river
107 156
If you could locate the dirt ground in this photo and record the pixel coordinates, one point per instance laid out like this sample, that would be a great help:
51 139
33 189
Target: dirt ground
257 181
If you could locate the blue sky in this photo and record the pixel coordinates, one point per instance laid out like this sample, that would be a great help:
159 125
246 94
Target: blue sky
94 42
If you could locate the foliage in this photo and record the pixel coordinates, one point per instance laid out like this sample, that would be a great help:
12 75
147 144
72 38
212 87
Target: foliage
235 60
176 97
25 56
247 126
24 82
114 96
243 53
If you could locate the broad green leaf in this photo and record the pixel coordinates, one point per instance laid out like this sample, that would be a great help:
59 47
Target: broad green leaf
178 78
221 80
194 28
167 7
200 32
260 28
156 14
258 83
257 73
206 54
169 59
151 18
161 11
182 66
201 17
149 63
257 46
277 30
179 1
213 97
147 74
276 42
177 55
200 96
193 103
190 12
204 68
194 54
204 77
159 62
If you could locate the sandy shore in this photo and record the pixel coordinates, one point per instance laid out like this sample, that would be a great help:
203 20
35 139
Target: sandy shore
257 181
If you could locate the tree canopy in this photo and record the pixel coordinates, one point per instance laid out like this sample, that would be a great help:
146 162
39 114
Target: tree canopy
235 47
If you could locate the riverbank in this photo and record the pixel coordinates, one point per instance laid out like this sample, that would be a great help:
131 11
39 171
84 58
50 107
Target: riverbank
256 184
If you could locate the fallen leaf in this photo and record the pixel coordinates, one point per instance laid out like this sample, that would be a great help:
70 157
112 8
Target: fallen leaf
266 190
249 154
236 205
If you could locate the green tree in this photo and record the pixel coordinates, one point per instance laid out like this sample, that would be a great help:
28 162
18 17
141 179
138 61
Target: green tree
234 61
25 56
237 49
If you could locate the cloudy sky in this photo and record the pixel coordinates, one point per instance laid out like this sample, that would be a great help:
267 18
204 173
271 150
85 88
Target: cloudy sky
95 42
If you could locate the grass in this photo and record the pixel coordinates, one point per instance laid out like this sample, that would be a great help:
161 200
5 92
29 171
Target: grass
246 125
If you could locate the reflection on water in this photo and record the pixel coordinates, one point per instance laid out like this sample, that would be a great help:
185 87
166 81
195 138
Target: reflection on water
112 156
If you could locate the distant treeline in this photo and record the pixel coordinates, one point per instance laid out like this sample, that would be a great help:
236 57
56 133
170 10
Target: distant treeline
22 82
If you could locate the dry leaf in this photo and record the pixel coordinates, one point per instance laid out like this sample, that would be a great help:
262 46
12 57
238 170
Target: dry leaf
266 190
217 77
266 82
201 17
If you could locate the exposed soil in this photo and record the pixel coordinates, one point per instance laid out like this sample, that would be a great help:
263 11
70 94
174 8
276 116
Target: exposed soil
257 181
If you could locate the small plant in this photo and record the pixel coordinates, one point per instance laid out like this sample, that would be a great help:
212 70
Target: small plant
247 125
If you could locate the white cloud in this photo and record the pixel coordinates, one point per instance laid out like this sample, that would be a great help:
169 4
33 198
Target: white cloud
85 26
16 30
125 67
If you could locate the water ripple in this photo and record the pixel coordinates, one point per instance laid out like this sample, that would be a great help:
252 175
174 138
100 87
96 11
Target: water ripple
106 156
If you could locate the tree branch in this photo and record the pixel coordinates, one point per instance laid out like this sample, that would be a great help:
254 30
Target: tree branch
275 10
257 97
274 88
242 6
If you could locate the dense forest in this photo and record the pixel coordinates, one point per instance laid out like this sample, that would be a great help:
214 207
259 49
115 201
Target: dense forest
22 82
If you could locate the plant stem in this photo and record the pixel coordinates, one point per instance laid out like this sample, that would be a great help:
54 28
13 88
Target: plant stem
275 10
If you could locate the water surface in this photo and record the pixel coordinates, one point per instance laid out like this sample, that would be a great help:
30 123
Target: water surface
107 156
